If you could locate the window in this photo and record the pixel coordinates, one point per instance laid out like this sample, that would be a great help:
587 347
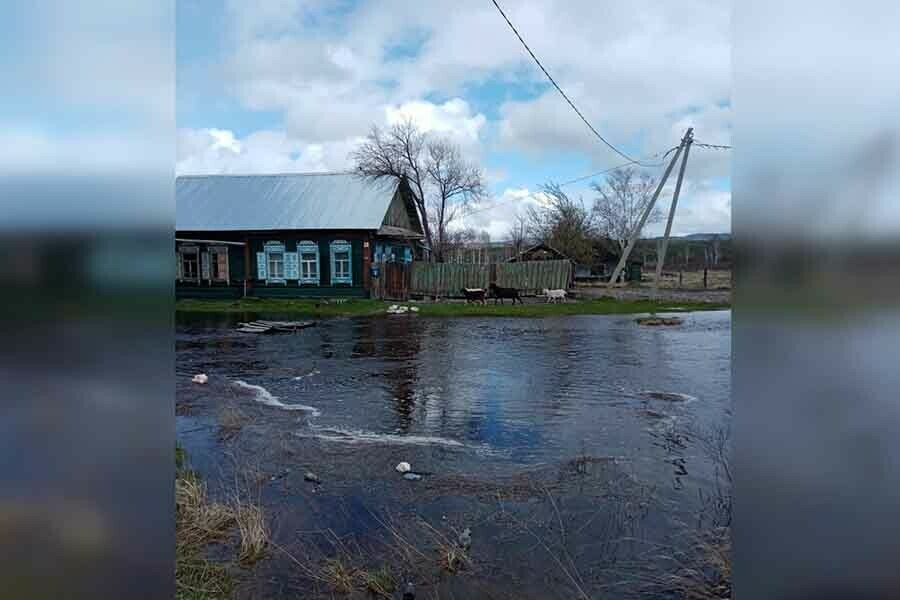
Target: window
270 263
218 256
189 263
276 265
309 262
341 268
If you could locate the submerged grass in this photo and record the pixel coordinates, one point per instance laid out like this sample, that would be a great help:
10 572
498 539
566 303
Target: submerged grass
231 420
365 307
200 521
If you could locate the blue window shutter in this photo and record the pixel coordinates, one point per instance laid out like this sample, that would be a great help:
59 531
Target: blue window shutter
261 271
291 266
204 266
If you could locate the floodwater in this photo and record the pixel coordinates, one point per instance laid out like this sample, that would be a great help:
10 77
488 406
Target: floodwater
570 447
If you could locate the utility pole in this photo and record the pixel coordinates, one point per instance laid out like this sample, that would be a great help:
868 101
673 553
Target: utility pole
686 142
640 226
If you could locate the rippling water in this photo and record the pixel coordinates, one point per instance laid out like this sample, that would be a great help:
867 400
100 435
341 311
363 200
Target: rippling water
484 398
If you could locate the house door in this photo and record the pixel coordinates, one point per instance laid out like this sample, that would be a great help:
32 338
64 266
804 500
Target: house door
392 281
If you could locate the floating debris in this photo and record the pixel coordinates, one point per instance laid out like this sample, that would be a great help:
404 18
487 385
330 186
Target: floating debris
403 467
281 475
410 592
465 539
310 476
670 396
412 476
201 378
401 309
273 326
305 375
657 321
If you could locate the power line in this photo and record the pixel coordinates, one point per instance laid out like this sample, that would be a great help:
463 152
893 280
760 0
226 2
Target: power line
563 184
562 93
714 146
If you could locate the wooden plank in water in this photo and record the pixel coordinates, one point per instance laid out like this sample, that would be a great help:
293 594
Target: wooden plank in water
270 326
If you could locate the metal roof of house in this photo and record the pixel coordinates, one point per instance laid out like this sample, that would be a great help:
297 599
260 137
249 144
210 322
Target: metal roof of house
290 201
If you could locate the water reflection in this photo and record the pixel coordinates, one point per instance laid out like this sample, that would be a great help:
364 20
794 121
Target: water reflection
549 417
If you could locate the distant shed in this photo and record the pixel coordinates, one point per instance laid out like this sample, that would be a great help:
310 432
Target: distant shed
540 251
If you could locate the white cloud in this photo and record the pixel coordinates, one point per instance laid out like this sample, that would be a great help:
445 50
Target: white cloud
452 119
641 72
496 215
212 151
701 209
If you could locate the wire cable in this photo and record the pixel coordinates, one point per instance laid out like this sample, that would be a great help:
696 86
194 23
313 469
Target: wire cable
713 146
562 93
563 184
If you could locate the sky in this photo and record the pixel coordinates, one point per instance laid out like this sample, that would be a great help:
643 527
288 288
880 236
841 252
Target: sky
277 86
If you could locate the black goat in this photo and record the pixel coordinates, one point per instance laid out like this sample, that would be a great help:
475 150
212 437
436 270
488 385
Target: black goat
474 294
499 293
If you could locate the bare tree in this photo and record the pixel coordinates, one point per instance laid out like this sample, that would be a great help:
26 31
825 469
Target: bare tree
461 245
563 223
441 180
621 201
455 181
518 232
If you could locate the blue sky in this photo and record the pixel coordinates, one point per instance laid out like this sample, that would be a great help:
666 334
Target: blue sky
284 85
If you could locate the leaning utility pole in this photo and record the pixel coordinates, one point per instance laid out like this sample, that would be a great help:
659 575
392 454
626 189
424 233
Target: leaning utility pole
661 256
640 226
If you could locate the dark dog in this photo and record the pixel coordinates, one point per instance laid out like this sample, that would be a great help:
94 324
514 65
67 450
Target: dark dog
474 294
499 293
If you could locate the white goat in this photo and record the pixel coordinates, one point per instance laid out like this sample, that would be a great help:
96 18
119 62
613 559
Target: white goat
555 295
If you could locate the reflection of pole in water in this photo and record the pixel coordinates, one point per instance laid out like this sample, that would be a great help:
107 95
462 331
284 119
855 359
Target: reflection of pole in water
401 345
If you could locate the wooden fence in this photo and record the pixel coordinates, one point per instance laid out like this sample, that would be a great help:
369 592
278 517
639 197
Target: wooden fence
445 279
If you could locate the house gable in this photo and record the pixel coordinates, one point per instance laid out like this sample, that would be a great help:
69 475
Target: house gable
402 211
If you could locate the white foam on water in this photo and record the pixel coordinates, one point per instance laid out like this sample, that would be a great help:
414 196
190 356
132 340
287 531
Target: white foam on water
350 436
263 396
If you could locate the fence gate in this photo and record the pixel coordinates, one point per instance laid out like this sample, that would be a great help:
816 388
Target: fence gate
392 282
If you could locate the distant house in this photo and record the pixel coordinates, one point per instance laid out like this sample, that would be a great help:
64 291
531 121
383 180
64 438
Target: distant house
604 258
539 251
296 235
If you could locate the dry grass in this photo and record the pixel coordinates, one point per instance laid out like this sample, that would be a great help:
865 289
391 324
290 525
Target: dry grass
249 514
410 548
342 577
198 521
380 582
254 532
702 572
719 279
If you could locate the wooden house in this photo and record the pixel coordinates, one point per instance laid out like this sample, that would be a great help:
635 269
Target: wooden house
539 251
604 258
308 235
